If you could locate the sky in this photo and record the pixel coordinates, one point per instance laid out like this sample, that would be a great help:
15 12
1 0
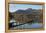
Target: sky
14 7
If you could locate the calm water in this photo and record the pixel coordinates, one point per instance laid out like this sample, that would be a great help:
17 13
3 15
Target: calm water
33 25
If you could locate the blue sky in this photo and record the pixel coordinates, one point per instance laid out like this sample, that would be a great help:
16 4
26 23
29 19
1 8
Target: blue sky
14 7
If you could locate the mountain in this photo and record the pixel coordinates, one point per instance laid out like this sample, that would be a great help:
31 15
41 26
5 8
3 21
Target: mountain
27 11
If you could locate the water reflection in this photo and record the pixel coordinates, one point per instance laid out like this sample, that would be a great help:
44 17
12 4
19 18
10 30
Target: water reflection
25 26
